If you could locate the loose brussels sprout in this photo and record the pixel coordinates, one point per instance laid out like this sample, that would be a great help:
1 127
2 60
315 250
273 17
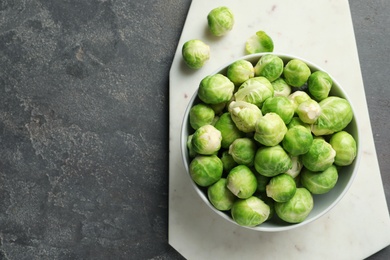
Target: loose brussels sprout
243 151
255 91
269 66
297 140
297 208
298 97
319 182
250 212
319 85
270 129
206 169
240 71
195 53
191 152
281 88
228 129
262 182
281 188
297 121
335 116
241 181
206 140
260 42
296 167
220 20
271 161
279 105
227 161
215 89
245 115
309 111
320 156
200 115
296 73
220 196
345 146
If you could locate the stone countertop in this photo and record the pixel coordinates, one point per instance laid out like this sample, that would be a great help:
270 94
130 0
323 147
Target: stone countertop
84 123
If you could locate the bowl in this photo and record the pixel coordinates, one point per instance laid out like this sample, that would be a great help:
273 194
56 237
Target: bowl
322 203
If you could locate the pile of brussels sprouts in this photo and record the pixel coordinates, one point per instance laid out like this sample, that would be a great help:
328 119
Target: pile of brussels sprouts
265 137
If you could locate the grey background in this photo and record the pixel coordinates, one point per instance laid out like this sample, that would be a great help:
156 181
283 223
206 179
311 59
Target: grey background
84 123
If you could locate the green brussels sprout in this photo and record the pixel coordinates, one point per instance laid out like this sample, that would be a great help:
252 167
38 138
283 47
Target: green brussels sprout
220 196
259 42
296 73
308 111
270 129
297 140
296 167
245 115
200 115
241 181
298 97
215 89
250 212
271 161
195 53
243 151
320 156
240 71
281 88
206 140
335 116
228 129
297 208
280 105
269 66
262 182
297 121
191 152
319 85
281 188
220 20
206 169
345 146
227 161
255 91
319 182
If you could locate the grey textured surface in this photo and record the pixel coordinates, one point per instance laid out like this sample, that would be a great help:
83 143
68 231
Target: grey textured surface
84 123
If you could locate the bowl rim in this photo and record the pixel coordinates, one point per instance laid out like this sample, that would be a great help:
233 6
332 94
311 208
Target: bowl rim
286 226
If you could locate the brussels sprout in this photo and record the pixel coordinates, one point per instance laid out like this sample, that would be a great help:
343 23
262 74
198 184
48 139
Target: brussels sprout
220 196
319 85
320 156
296 167
215 89
319 182
270 129
241 181
228 129
260 42
195 53
250 212
345 146
298 97
255 91
297 140
309 111
279 105
297 121
240 71
281 88
245 115
296 73
227 161
220 20
206 169
297 208
281 188
191 152
243 151
206 140
269 66
271 161
335 116
262 182
200 115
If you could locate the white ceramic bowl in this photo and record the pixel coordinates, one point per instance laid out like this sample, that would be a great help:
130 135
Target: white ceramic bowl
322 203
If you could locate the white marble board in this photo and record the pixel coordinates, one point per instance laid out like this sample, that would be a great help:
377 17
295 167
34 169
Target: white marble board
320 31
